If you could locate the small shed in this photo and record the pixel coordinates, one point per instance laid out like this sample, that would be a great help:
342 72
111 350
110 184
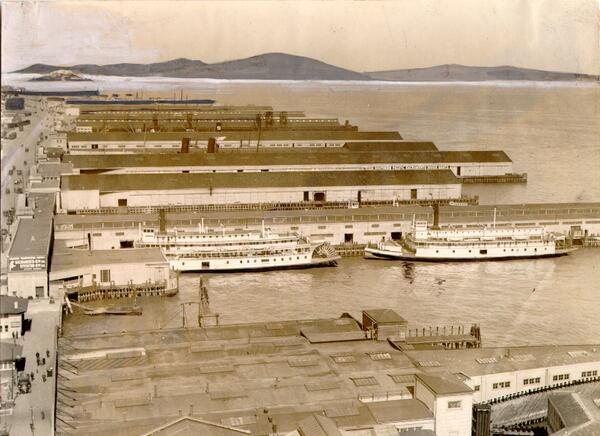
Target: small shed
381 324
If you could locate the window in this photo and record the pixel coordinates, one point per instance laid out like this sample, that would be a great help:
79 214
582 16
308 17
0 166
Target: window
501 385
454 404
94 146
560 377
105 275
589 373
531 381
347 358
477 388
365 381
482 251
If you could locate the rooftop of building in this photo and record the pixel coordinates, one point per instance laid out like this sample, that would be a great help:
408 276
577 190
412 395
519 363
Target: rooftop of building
33 237
390 146
294 179
281 158
54 169
231 373
443 385
267 135
10 305
385 316
579 409
493 360
67 259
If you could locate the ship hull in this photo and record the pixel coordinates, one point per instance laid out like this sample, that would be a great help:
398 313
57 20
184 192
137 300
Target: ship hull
386 255
221 267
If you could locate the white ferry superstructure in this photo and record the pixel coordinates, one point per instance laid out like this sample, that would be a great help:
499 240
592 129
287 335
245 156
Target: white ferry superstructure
425 243
232 251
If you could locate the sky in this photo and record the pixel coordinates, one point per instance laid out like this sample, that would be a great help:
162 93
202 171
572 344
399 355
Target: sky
557 35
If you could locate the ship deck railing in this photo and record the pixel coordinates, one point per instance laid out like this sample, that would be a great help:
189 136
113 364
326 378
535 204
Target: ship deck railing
464 243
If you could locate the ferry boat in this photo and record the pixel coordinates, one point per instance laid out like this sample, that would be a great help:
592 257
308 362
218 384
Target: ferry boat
425 243
208 251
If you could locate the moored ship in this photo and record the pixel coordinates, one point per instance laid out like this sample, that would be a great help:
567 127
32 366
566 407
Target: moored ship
424 243
204 250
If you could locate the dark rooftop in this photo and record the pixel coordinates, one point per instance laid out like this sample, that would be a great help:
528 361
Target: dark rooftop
32 237
443 386
385 316
152 182
318 425
10 305
390 146
568 408
278 158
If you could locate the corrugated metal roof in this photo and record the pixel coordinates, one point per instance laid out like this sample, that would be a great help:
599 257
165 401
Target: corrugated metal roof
399 410
390 146
268 159
152 182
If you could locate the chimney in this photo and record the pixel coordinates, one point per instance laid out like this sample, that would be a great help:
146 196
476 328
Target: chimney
212 146
436 216
185 145
16 304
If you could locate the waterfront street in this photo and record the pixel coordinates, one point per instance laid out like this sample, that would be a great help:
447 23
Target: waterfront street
33 413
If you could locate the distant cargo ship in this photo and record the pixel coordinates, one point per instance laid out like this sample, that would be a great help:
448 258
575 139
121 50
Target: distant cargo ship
237 251
425 243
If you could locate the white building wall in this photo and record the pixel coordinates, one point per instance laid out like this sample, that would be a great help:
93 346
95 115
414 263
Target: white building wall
24 284
91 199
120 274
453 421
10 326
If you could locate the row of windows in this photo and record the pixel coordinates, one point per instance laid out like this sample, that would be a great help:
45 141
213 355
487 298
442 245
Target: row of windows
589 373
559 377
501 385
531 381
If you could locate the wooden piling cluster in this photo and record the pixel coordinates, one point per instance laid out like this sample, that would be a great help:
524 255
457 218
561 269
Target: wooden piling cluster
106 292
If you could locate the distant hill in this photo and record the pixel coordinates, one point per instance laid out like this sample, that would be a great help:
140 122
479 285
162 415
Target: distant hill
453 72
270 66
281 66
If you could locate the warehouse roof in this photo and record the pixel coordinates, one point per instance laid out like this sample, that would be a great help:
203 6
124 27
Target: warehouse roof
279 158
390 146
161 181
385 316
481 361
268 135
32 237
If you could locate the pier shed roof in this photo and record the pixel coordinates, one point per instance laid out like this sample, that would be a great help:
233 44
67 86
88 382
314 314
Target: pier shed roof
267 135
369 146
492 360
279 159
296 179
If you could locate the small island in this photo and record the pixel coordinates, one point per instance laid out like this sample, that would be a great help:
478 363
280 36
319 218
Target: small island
61 76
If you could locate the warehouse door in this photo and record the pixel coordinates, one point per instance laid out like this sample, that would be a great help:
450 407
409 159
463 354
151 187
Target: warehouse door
39 292
122 202
396 236
413 194
348 237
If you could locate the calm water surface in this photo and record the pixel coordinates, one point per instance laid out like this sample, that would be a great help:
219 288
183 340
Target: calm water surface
551 131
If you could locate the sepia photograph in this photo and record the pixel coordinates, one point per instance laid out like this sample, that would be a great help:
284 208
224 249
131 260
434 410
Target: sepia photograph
300 218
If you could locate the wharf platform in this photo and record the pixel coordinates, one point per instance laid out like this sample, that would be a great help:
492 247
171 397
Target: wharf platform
112 291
